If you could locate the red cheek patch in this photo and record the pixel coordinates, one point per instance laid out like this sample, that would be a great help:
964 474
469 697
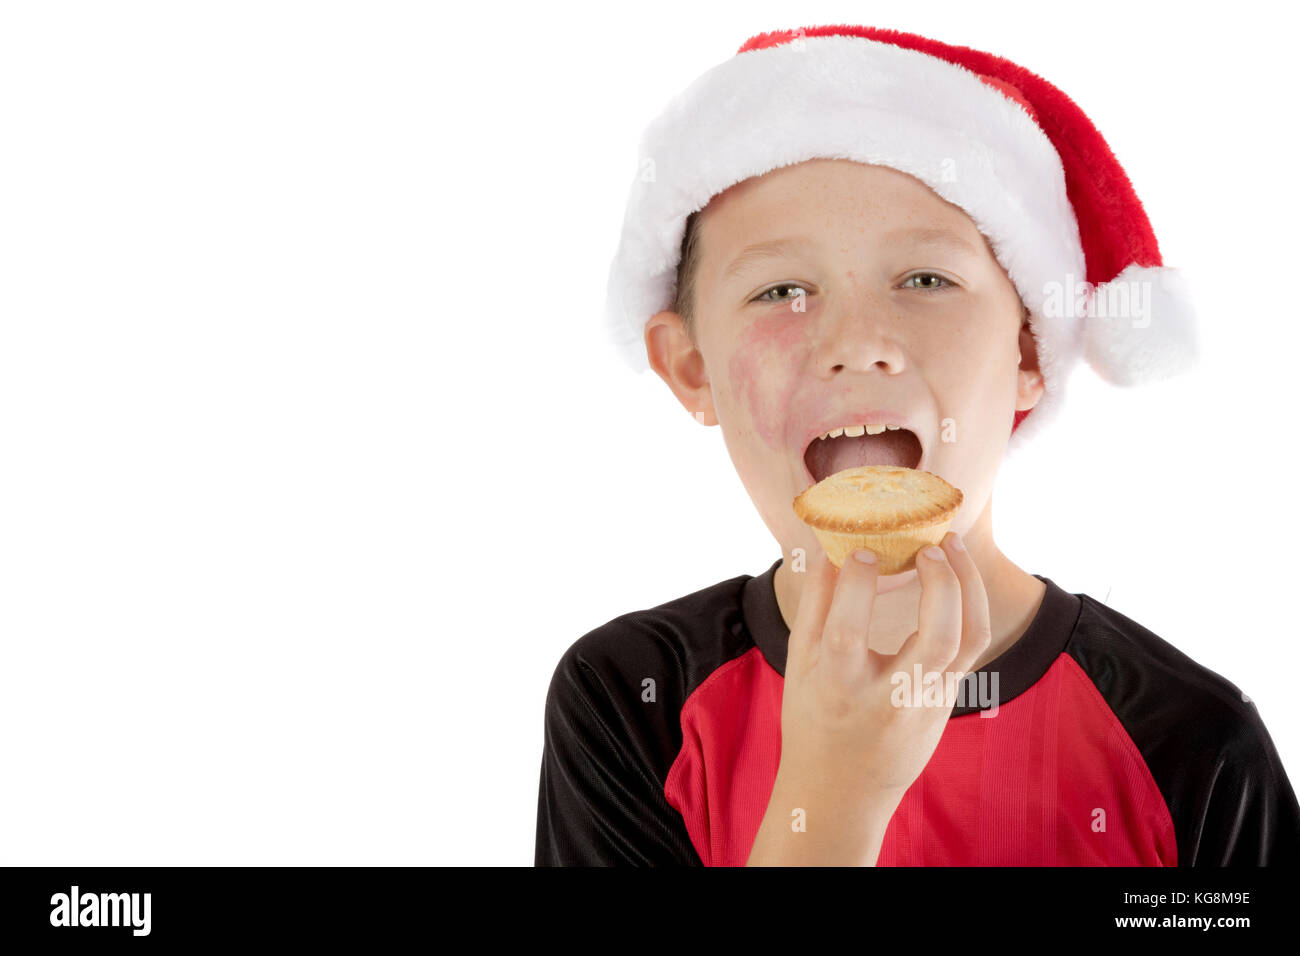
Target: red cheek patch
764 374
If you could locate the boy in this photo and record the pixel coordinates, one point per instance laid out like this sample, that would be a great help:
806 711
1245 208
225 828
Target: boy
856 246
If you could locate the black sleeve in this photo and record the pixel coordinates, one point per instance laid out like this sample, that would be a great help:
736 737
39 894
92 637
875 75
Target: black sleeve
1250 815
1202 739
601 799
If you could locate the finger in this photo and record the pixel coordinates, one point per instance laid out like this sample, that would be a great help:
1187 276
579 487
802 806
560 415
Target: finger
976 629
848 622
938 634
814 600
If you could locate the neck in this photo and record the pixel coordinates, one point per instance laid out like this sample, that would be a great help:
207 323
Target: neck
1014 596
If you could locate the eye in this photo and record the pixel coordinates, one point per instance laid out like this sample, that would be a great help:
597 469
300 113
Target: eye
762 296
929 288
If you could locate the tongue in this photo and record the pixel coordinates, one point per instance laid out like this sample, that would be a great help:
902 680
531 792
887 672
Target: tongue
897 447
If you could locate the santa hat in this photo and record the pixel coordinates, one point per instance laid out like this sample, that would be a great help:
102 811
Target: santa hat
1010 149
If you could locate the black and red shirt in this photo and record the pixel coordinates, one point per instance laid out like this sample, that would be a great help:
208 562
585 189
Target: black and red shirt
1105 746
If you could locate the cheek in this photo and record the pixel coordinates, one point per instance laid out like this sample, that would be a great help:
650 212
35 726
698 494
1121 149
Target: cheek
974 375
762 376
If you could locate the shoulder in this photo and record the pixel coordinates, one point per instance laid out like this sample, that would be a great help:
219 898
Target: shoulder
612 729
1202 739
676 644
1132 666
613 707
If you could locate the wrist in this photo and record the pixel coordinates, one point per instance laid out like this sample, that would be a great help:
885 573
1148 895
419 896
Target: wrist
854 793
818 820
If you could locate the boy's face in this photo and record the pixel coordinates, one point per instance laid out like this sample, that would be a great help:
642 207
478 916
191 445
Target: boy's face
847 320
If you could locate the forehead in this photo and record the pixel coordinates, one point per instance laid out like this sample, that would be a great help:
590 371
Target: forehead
828 195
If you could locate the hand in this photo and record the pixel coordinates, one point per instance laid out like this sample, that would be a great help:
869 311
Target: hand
836 707
845 746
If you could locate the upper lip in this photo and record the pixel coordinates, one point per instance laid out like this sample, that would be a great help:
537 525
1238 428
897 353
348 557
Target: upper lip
870 416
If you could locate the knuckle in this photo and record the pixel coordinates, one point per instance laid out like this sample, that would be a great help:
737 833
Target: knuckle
837 639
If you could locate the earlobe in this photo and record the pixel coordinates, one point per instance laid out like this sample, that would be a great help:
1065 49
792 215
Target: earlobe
1030 389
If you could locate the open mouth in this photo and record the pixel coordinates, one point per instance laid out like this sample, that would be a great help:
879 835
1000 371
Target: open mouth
825 456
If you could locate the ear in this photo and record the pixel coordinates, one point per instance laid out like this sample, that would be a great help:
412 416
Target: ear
1029 380
677 360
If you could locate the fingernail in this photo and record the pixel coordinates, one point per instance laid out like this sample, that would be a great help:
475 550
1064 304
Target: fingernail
933 553
866 557
957 543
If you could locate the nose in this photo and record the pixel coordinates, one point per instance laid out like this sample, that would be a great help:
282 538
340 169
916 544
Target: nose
858 336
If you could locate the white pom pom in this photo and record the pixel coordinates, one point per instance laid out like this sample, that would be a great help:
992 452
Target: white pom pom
1141 326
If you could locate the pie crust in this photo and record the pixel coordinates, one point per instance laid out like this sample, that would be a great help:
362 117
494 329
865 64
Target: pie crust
891 510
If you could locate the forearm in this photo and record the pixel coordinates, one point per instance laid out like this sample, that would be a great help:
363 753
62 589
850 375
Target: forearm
835 826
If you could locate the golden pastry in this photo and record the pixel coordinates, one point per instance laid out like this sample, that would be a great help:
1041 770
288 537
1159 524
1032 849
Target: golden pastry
890 510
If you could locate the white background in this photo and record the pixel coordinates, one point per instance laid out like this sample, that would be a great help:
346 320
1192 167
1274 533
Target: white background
313 460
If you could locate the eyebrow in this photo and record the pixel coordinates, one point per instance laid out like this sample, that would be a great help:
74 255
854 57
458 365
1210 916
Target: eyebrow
772 249
931 236
775 248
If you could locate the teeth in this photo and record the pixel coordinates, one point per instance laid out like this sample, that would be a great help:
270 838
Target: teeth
853 431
